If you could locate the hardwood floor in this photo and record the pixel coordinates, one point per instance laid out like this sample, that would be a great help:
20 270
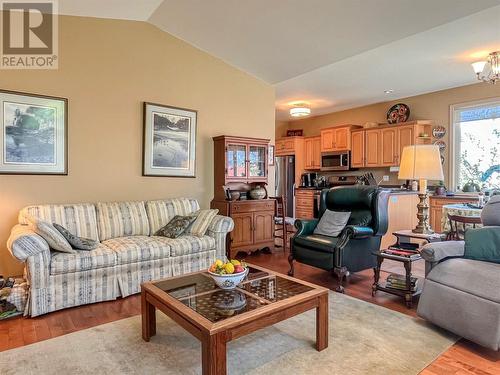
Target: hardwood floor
461 359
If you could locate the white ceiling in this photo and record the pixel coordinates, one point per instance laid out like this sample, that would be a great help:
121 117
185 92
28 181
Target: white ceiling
137 10
333 54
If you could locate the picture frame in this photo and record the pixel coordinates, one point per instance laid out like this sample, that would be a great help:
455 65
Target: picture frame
34 134
169 141
270 156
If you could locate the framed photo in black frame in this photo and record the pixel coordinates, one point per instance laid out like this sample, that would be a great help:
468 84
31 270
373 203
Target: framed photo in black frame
169 144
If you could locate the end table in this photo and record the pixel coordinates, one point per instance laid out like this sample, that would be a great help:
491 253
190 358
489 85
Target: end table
406 293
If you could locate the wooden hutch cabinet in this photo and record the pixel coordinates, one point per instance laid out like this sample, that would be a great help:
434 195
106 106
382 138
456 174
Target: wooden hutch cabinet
240 163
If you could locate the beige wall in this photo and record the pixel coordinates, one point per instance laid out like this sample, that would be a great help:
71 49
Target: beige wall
433 106
107 68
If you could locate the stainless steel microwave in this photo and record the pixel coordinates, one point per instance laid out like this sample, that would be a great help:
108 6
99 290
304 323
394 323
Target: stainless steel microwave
335 161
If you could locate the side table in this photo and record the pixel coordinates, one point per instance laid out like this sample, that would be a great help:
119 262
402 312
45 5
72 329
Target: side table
403 237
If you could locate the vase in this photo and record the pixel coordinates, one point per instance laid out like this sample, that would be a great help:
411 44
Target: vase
258 192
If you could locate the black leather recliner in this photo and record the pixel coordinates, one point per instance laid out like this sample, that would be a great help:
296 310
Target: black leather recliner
352 250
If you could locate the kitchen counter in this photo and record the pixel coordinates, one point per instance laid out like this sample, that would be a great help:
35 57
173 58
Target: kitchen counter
457 197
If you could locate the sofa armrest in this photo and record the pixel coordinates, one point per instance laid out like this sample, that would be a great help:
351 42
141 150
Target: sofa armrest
219 229
435 252
305 227
23 243
357 232
29 247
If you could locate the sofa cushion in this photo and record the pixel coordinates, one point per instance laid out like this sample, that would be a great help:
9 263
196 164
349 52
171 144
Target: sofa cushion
120 219
79 219
76 242
470 276
133 249
188 244
50 234
483 244
175 227
317 242
203 220
100 257
160 212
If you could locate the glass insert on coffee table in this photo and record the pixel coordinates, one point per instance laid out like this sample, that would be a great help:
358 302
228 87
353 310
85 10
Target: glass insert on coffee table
216 316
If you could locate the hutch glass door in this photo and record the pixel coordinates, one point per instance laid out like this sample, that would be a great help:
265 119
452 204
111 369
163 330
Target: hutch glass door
236 161
257 161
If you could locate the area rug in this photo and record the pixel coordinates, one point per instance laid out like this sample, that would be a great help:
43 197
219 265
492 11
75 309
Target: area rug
364 339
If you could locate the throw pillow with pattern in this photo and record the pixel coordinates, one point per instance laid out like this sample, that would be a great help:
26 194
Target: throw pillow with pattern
76 242
50 234
202 222
176 226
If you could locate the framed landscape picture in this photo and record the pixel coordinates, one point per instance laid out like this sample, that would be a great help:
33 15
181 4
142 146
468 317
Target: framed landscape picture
169 141
33 137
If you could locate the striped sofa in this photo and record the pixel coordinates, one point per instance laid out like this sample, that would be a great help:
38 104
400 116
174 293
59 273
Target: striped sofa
127 254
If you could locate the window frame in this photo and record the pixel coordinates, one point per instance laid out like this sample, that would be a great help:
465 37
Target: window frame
455 135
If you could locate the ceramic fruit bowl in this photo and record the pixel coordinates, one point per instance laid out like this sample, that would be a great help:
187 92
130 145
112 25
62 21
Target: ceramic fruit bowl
228 274
228 281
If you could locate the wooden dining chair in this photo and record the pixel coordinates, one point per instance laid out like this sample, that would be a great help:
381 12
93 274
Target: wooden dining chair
457 231
283 225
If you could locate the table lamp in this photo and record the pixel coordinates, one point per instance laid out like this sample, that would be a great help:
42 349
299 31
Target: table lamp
422 163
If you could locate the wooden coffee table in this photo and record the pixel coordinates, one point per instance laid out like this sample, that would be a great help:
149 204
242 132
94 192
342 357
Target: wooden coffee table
215 316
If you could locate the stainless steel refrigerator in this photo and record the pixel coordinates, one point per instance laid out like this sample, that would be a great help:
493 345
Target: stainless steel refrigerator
285 182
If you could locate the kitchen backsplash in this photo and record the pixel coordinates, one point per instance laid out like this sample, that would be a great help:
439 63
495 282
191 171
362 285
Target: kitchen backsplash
378 173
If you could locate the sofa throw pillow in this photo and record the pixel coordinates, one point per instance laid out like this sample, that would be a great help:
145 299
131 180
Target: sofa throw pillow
50 234
203 219
76 242
483 244
176 226
332 223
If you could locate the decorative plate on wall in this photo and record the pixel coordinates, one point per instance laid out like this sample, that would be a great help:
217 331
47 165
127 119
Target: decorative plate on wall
441 145
398 113
438 132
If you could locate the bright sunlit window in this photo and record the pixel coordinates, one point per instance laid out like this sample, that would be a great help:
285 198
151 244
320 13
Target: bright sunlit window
476 151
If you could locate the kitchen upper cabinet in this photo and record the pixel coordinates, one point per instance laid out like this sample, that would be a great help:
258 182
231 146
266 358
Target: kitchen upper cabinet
316 152
406 137
342 139
337 139
358 149
289 146
372 148
327 140
312 153
389 146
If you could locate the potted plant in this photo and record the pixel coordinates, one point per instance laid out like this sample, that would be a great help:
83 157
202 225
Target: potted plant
471 187
440 189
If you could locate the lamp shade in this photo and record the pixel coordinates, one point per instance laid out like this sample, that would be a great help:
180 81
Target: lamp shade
421 162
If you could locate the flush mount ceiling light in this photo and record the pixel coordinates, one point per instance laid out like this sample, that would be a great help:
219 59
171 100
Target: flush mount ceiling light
488 70
390 91
300 111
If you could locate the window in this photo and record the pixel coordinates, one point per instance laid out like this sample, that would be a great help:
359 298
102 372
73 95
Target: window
476 145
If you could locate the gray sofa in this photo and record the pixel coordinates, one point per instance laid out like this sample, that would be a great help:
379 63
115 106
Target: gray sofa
463 295
128 254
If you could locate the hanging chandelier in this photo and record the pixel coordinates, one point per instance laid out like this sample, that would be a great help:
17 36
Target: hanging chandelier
488 70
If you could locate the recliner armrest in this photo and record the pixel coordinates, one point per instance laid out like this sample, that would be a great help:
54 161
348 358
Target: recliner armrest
356 231
305 227
437 251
